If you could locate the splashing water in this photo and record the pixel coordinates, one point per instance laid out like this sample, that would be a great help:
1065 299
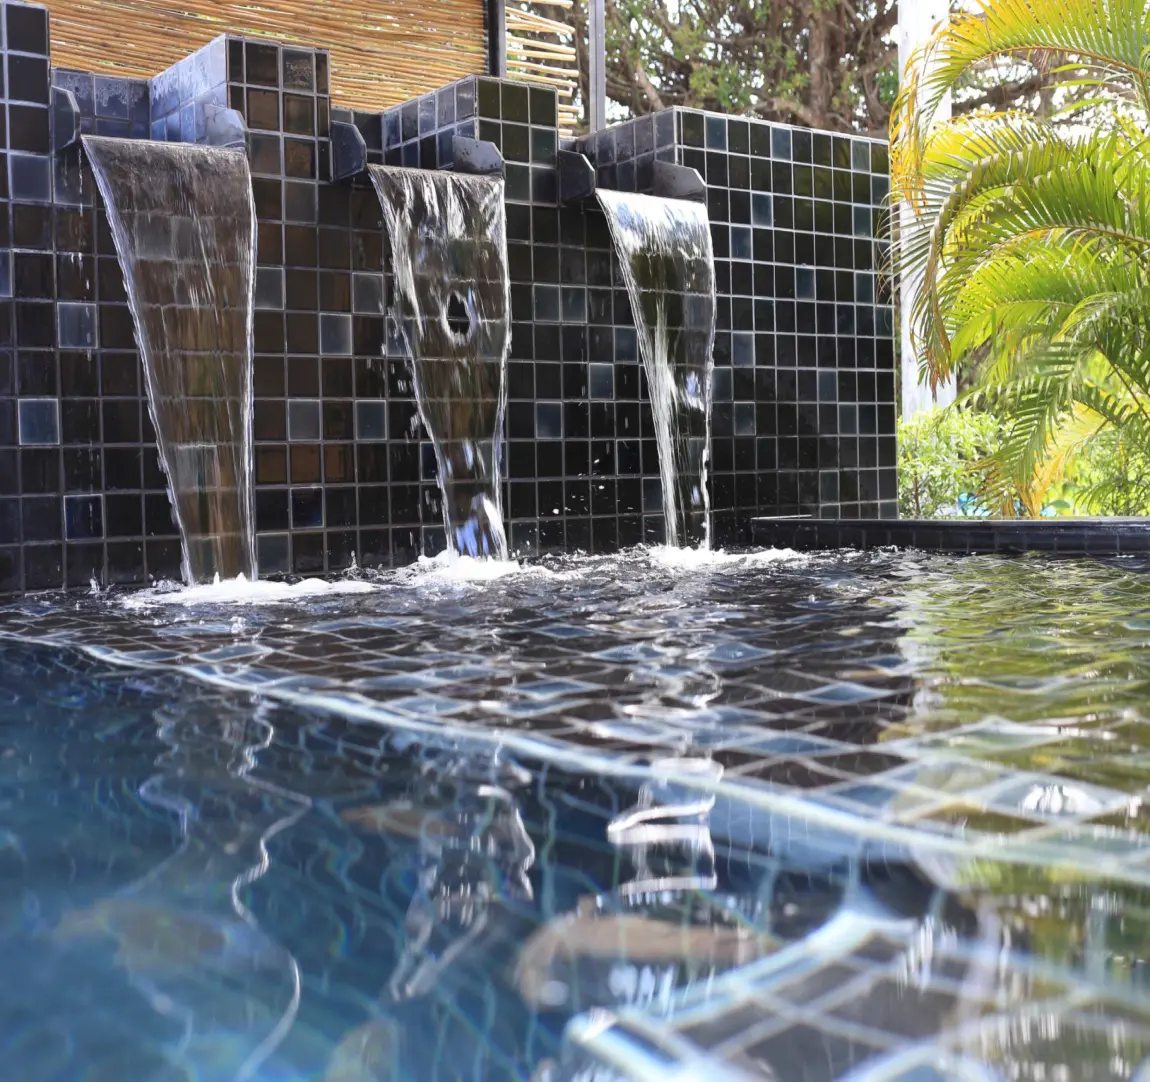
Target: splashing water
453 303
183 221
241 591
664 246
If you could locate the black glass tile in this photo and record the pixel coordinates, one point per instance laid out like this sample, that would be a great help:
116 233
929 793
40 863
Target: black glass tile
83 518
26 28
262 64
28 79
298 67
543 106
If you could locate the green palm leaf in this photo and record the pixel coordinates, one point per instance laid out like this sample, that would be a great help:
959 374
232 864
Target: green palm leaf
1032 236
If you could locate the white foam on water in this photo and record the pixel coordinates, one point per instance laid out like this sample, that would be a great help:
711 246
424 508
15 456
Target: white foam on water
449 568
687 559
241 591
446 569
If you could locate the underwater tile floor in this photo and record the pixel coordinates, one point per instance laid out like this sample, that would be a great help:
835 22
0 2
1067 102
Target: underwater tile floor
871 816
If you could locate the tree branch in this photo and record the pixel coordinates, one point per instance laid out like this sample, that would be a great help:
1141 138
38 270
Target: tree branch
1003 94
648 88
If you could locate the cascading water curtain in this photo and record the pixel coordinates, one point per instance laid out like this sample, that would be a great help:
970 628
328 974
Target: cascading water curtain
664 246
453 306
183 221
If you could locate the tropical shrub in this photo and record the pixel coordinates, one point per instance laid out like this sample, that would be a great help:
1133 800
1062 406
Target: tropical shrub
1110 477
938 456
942 457
1033 237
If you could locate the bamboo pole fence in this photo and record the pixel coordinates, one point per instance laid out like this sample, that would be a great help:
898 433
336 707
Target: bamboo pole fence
541 50
383 52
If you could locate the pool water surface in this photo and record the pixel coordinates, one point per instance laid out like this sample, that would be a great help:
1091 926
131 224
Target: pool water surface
876 817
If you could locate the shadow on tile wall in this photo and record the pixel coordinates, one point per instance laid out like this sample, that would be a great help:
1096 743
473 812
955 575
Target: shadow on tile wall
804 412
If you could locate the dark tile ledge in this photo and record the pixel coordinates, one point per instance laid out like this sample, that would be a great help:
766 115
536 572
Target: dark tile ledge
1067 537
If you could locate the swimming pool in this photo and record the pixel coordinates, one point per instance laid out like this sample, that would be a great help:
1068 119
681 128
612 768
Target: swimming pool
805 818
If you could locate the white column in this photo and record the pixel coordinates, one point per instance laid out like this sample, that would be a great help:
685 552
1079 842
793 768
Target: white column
917 20
597 65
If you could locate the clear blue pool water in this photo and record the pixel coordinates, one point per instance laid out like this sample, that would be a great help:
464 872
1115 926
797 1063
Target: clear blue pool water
867 817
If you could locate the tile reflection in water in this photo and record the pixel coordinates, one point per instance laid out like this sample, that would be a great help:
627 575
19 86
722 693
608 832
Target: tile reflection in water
869 818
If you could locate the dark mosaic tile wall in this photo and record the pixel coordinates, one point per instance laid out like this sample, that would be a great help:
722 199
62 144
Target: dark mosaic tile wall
963 536
804 394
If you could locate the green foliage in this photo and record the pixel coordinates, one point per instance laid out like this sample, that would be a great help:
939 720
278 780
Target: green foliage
943 457
938 452
1110 477
1032 234
821 63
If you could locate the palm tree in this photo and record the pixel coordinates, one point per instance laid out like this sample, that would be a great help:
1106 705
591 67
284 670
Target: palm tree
1033 233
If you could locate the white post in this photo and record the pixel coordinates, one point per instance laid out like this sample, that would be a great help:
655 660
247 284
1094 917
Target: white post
597 66
917 20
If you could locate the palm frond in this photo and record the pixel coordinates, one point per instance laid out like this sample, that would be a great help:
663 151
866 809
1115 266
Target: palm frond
1106 39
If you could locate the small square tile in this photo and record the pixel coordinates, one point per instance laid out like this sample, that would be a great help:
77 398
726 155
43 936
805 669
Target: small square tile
601 380
83 518
39 422
300 202
28 79
272 552
762 213
574 304
303 420
262 63
741 242
549 420
307 508
40 518
544 106
30 178
367 294
335 334
652 494
371 420
744 418
546 306
76 325
487 100
269 288
298 69
514 102
781 144
26 28
716 129
742 349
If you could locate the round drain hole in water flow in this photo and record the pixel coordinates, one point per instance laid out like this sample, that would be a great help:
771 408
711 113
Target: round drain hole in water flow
459 317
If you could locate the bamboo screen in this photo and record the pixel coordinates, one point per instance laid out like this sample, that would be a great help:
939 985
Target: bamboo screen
383 52
541 49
